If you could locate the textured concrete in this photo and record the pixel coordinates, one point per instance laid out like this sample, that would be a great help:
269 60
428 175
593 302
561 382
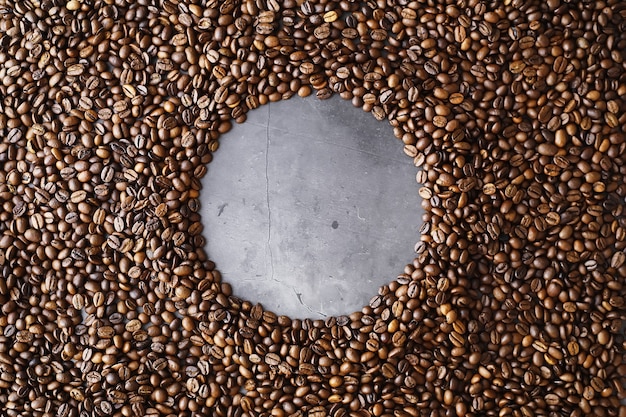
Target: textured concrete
310 206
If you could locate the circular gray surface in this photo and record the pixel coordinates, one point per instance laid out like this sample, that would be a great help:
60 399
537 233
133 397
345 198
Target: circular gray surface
309 207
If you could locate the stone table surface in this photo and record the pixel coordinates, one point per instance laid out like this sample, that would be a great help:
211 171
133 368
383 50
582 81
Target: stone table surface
310 206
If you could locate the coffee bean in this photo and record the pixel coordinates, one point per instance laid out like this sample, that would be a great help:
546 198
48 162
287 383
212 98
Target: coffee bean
330 16
515 123
322 32
75 70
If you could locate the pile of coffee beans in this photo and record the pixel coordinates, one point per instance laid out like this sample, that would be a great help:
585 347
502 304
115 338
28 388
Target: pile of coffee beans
111 111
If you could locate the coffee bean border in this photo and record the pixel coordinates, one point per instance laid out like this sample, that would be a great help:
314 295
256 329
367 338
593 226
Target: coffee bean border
111 111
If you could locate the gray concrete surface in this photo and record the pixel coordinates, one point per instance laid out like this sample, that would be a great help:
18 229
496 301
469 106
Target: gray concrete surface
310 206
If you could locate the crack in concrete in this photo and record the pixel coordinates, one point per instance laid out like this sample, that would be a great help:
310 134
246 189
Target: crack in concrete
267 194
299 295
308 307
221 209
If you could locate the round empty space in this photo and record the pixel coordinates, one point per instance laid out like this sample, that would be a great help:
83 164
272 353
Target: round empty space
309 207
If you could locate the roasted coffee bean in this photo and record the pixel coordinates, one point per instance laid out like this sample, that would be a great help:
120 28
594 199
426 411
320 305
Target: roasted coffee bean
111 112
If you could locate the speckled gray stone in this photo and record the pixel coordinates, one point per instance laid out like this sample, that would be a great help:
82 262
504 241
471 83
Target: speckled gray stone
310 206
